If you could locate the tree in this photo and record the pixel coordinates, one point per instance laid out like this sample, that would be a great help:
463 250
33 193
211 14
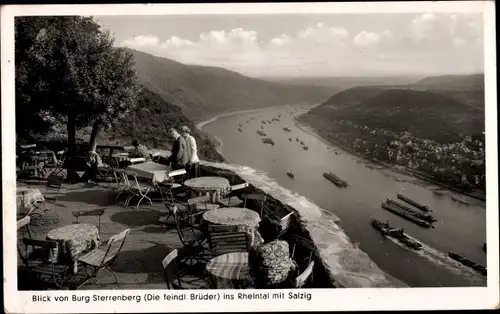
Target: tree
68 66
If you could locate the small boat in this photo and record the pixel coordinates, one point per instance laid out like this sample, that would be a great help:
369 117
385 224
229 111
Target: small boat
262 127
396 233
403 213
290 174
336 180
268 140
287 129
414 203
359 161
484 247
297 139
302 143
239 129
261 133
279 116
305 148
426 217
468 262
336 153
263 122
400 180
290 139
460 200
240 125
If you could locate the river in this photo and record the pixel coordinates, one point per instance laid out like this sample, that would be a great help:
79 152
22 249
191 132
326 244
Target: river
460 228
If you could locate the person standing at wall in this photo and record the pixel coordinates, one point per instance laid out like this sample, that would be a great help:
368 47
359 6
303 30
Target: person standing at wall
192 166
178 158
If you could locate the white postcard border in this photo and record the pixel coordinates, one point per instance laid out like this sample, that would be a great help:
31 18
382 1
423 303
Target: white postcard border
322 299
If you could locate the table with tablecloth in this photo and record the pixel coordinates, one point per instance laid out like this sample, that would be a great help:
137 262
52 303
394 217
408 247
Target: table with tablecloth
244 219
150 170
73 240
216 187
27 199
229 271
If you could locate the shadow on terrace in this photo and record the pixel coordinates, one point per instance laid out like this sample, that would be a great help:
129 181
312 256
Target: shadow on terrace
190 236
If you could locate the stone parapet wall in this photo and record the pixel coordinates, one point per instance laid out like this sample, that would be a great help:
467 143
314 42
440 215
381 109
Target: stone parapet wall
346 265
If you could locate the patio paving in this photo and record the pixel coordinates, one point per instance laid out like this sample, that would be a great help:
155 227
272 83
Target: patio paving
138 265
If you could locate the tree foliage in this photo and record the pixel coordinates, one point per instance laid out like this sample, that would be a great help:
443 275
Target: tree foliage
67 68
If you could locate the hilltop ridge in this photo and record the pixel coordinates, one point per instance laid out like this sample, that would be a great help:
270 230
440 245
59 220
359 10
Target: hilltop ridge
203 92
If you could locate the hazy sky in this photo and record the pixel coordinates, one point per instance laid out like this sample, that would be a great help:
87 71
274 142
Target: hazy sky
311 45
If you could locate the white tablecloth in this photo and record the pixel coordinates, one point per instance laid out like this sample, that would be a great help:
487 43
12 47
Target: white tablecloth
150 170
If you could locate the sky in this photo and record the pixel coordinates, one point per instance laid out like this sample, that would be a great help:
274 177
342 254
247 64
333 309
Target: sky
311 45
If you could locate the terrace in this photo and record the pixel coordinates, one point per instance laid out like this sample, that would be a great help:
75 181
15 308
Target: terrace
314 235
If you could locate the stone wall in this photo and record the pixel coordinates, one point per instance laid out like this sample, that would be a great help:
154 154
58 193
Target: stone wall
346 265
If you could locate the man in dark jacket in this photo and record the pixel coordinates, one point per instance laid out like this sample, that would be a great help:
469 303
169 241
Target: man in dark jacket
179 157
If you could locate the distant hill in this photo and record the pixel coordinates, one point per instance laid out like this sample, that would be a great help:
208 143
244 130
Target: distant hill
344 82
424 113
203 92
472 81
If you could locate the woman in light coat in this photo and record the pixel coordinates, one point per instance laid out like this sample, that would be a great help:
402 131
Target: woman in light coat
193 164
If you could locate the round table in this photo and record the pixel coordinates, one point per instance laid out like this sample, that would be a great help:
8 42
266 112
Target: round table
73 240
232 216
246 219
229 271
216 186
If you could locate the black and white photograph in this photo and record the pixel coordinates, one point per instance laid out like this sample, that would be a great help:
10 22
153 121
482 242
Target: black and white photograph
273 154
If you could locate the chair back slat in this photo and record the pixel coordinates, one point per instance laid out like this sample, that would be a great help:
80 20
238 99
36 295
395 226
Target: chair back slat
226 242
170 258
115 244
302 278
46 244
93 212
170 269
221 228
239 186
176 173
137 160
23 222
285 221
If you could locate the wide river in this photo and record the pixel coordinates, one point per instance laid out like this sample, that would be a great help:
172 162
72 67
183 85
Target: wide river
460 228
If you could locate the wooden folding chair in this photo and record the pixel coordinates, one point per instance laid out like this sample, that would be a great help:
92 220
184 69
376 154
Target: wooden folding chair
122 183
53 182
102 258
139 189
256 197
304 277
233 200
171 270
285 224
90 212
24 222
228 241
191 237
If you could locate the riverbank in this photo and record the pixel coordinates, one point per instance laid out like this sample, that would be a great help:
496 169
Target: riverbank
201 124
305 127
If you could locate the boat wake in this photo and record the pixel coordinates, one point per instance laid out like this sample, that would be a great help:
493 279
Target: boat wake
442 259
